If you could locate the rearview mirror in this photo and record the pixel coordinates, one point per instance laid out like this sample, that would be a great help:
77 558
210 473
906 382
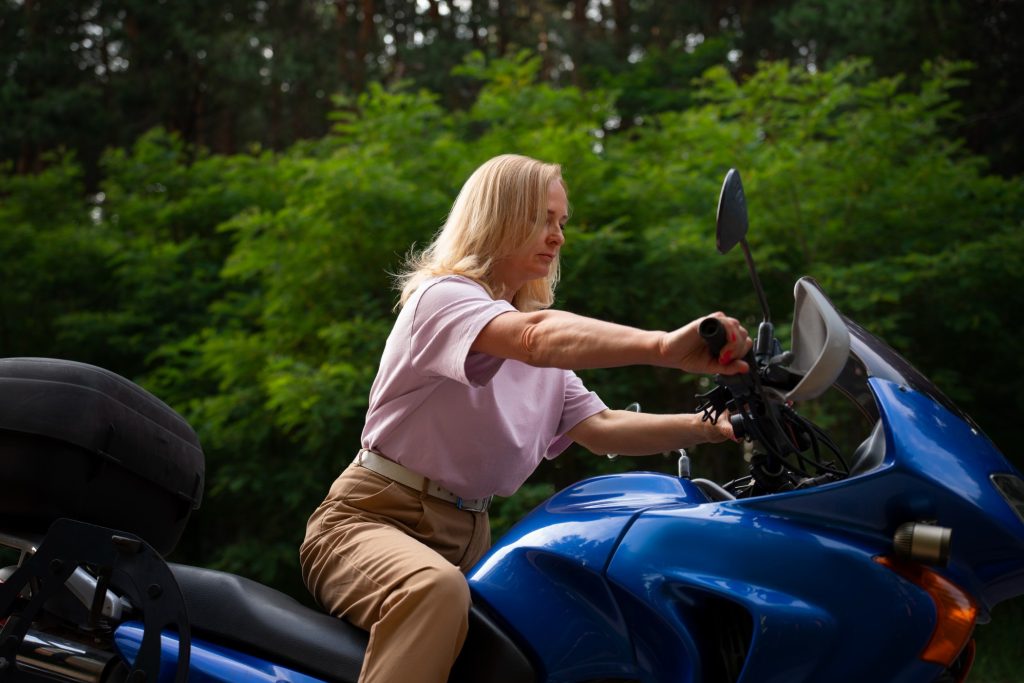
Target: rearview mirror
730 230
731 223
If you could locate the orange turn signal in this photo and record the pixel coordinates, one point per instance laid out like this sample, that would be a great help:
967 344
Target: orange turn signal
955 611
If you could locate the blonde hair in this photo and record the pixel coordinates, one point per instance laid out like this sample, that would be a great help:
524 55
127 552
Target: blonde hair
500 208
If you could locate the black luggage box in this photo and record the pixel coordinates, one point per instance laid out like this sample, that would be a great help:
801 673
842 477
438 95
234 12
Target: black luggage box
82 442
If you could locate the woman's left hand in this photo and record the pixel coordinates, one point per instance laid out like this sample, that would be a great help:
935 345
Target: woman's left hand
721 430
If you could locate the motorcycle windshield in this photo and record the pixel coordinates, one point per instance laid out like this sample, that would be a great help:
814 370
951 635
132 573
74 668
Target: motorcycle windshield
872 357
879 360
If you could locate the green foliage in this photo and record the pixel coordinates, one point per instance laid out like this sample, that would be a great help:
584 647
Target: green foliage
87 75
52 257
662 80
253 293
1000 658
848 27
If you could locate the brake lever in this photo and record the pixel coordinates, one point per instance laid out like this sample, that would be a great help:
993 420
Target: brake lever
713 403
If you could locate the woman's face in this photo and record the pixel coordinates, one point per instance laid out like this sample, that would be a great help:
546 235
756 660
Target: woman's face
536 258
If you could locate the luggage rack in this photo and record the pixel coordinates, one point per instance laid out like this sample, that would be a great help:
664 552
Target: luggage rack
81 584
122 561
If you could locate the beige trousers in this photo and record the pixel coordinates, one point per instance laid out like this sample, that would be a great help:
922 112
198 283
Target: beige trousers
390 560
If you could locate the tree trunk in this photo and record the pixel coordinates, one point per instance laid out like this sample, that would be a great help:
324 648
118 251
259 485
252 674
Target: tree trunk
578 47
363 44
621 14
343 55
502 27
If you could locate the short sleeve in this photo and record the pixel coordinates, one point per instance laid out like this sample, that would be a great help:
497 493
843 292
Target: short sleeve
580 403
449 314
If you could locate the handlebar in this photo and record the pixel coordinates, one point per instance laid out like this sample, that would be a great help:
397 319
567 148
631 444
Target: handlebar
713 333
787 447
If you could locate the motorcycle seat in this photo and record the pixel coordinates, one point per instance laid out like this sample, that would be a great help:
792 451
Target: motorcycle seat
262 621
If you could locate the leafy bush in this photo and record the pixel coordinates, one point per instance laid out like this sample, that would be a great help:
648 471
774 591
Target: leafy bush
252 292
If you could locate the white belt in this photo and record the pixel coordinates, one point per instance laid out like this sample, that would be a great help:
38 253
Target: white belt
403 475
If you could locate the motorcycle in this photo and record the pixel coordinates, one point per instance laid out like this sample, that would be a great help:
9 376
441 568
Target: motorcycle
815 565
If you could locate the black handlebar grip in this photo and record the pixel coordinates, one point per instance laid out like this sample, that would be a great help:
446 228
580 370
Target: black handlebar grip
712 331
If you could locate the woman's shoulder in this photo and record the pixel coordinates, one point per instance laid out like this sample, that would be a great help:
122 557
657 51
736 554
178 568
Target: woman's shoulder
452 285
453 295
448 299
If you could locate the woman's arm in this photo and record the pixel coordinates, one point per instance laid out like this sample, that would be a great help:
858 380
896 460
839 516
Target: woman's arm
628 433
573 342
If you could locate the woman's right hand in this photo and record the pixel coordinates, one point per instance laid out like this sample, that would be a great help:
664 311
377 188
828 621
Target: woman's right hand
685 349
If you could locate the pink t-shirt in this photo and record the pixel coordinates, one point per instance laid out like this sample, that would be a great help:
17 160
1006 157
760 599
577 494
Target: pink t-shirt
475 424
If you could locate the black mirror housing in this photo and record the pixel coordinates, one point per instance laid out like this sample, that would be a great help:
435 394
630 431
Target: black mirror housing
731 222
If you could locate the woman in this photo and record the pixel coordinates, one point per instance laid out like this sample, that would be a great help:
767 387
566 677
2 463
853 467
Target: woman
474 388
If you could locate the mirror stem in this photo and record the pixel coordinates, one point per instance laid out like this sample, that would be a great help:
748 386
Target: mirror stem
757 281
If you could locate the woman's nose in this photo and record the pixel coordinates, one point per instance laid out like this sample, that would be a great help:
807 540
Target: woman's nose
556 236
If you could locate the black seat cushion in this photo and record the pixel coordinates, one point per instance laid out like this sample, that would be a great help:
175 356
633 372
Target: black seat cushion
259 620
262 621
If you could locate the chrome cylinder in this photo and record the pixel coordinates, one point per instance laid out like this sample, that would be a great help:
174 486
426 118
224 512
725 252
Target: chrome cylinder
924 543
62 659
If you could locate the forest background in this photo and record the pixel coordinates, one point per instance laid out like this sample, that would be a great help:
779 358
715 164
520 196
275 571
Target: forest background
208 198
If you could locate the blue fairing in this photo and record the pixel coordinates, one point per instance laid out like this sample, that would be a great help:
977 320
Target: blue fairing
937 467
546 576
640 577
208 663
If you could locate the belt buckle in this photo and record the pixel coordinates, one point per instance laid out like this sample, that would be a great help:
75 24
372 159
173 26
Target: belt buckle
460 504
